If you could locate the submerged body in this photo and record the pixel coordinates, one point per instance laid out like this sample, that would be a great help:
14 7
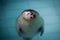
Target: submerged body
28 26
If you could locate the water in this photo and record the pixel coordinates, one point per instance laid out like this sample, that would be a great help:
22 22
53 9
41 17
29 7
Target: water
48 9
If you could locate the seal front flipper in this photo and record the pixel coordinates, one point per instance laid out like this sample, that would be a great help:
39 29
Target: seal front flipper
41 30
19 30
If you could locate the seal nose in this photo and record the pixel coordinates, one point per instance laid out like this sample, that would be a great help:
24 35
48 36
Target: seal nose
34 16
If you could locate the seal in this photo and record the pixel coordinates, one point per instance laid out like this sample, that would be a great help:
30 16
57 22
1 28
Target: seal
29 24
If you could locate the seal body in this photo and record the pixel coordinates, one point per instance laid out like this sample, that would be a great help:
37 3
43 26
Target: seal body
29 27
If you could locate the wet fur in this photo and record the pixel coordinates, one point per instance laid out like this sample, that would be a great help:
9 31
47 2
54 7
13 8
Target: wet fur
27 29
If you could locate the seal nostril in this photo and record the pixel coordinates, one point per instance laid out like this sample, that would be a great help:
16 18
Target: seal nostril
31 17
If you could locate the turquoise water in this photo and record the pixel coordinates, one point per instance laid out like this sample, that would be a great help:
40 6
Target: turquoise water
48 9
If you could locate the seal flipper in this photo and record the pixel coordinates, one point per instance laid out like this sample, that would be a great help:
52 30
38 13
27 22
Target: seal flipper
27 38
41 29
20 29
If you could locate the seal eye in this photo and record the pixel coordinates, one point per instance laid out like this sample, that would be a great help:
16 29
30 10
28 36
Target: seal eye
28 13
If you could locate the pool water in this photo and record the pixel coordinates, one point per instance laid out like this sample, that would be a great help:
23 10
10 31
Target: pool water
48 9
